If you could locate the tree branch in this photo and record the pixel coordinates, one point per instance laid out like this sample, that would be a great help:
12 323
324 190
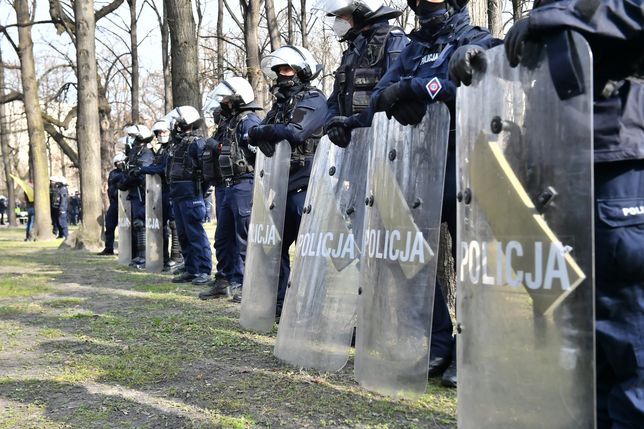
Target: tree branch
107 9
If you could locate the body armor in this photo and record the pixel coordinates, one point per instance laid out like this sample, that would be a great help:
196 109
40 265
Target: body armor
232 158
360 72
282 113
180 166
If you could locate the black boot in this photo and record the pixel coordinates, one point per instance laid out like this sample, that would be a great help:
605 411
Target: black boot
106 252
449 378
139 236
219 287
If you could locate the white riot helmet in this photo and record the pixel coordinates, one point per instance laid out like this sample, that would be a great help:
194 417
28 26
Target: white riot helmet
362 13
119 157
55 179
161 130
184 117
141 133
238 89
62 180
297 57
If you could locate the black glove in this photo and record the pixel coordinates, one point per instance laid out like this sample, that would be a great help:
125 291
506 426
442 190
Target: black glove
135 171
515 41
408 112
338 131
464 62
399 91
267 148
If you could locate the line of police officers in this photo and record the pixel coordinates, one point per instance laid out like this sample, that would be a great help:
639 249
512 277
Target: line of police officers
382 69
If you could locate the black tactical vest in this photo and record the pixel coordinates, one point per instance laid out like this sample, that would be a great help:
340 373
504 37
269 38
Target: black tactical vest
180 166
282 113
232 160
359 74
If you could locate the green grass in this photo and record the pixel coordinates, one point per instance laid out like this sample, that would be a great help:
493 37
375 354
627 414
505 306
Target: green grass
64 302
22 285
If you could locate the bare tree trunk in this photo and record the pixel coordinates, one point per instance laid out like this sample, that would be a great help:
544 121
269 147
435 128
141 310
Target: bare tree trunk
478 12
162 17
495 16
38 151
273 27
183 39
303 22
517 9
289 5
134 43
88 125
251 41
220 36
4 144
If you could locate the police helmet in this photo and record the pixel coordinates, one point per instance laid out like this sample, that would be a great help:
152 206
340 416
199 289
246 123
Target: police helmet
119 157
296 57
454 4
141 133
159 127
185 117
55 179
238 88
362 11
62 180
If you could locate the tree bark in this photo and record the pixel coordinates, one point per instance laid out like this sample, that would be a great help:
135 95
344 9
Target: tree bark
273 27
220 36
251 40
4 145
478 12
37 150
289 5
303 24
134 48
88 125
183 42
167 71
495 17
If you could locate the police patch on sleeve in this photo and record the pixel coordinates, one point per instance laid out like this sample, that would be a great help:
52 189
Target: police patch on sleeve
434 87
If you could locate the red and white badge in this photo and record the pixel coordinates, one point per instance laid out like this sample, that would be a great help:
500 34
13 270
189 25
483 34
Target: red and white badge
434 87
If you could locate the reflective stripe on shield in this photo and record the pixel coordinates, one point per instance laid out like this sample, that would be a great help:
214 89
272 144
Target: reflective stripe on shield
153 224
525 248
125 229
320 307
264 251
400 253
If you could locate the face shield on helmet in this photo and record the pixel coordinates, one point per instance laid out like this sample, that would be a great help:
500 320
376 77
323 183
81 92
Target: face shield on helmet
186 117
161 131
119 157
140 133
348 7
296 57
235 91
454 4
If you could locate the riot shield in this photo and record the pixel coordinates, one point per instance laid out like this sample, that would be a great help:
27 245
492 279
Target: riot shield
400 253
153 223
264 251
320 307
125 229
525 247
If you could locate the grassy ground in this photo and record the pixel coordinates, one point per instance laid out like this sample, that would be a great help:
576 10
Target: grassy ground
85 343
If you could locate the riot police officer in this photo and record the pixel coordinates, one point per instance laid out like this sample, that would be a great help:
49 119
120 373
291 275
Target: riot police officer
138 156
74 208
184 174
235 101
112 216
420 77
171 255
53 203
373 45
297 115
615 32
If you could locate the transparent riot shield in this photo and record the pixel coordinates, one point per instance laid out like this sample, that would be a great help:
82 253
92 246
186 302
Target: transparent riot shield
525 247
153 223
400 253
264 251
319 312
125 229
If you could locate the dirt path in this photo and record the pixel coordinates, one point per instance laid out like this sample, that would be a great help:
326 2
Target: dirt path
85 343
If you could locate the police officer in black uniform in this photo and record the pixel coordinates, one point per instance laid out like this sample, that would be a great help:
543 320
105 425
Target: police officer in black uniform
61 204
235 100
112 216
297 115
139 155
171 260
185 176
615 31
54 203
373 45
419 77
